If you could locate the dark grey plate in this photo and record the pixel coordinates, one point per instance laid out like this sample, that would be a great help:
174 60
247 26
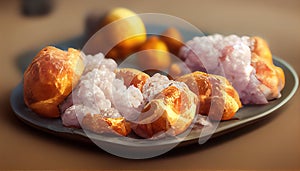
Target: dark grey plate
245 116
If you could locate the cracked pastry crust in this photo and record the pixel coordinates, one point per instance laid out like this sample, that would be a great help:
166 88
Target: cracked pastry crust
50 78
271 76
132 76
171 111
213 89
99 124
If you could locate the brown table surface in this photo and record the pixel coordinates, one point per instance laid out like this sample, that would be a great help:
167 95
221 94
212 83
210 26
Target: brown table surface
270 143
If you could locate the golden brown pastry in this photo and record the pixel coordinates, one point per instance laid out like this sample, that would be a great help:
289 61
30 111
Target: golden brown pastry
99 124
201 84
171 112
266 72
245 61
49 79
132 77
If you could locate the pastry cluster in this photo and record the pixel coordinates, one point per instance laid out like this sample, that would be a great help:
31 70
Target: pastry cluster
90 92
245 61
105 99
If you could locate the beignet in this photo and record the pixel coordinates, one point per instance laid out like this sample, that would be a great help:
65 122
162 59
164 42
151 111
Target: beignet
50 78
213 89
171 108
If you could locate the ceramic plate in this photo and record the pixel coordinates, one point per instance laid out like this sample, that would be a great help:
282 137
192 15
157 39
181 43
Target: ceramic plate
245 116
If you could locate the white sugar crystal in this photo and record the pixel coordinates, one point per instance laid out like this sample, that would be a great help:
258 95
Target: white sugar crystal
100 92
110 113
154 85
92 62
109 64
228 56
74 114
158 83
127 100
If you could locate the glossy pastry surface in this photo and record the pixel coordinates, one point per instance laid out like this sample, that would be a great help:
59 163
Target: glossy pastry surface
50 78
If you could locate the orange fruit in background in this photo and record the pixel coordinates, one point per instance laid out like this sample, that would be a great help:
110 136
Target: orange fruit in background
173 40
153 54
126 32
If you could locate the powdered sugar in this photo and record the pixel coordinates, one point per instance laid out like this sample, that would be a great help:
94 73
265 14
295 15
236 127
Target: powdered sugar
157 83
228 56
127 100
100 92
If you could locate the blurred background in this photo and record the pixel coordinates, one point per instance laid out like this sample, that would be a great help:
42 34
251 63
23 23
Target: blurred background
29 25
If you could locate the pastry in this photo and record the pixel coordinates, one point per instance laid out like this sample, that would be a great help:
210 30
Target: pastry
170 108
50 78
132 77
101 102
213 89
266 72
99 124
245 61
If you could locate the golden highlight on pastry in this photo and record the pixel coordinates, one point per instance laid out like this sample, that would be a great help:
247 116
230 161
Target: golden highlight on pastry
99 124
201 84
49 79
170 109
132 76
270 75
